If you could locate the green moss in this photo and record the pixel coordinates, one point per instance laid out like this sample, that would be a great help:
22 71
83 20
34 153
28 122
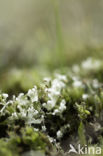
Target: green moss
26 141
63 106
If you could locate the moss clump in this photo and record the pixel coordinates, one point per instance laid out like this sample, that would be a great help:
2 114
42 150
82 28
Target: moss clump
26 141
62 107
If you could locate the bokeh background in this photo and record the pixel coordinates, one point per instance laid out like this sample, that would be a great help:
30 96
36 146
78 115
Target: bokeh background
39 36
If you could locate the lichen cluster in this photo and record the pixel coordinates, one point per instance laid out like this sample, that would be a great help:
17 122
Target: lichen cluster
54 111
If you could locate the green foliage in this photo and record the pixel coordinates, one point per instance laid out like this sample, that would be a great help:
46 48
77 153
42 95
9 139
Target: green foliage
81 134
59 35
26 141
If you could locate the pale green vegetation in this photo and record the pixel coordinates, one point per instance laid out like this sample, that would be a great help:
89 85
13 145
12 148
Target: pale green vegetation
51 76
66 105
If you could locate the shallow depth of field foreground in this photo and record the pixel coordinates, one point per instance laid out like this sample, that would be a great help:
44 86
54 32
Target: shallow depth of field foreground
51 78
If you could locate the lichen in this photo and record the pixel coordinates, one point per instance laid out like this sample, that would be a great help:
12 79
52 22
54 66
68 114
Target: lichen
46 114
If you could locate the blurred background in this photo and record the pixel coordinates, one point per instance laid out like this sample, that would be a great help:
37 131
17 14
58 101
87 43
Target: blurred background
38 36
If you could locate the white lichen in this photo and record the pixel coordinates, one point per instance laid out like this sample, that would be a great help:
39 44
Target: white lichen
33 94
54 91
59 134
5 96
85 96
90 64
